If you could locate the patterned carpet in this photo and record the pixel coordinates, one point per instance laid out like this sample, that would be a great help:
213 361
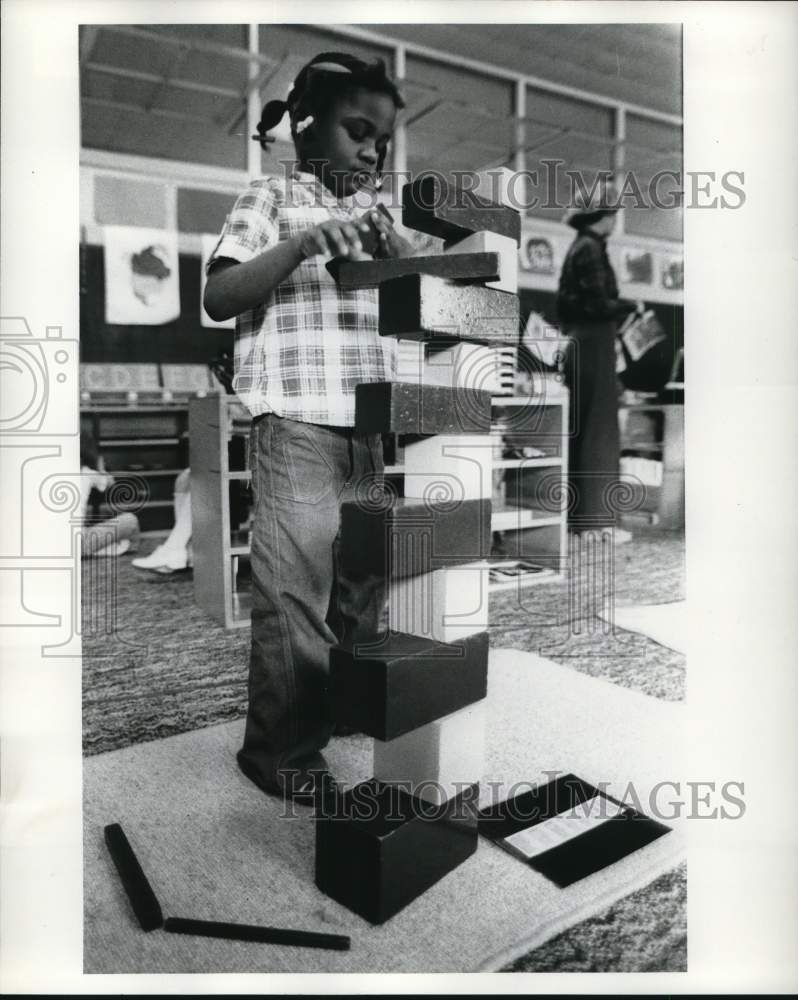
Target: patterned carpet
168 669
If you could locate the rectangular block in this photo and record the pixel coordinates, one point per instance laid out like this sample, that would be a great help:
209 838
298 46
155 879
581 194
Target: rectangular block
433 205
445 605
449 467
412 537
405 681
503 246
435 761
408 408
422 307
380 849
474 367
455 266
498 185
551 816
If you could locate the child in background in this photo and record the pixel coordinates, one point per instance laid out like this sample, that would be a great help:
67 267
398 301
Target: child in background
173 555
114 536
302 345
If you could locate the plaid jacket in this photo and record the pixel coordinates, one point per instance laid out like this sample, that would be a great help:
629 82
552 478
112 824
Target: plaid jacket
302 352
588 292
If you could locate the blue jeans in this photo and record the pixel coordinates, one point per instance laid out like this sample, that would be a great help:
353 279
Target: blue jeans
302 603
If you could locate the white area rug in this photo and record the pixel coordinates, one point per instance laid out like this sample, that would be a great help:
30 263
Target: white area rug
215 848
664 623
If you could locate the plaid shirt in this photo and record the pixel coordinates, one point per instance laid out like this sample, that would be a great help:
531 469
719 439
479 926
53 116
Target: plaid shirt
588 292
302 352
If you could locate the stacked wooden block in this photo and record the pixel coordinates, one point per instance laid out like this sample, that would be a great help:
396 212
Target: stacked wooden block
419 689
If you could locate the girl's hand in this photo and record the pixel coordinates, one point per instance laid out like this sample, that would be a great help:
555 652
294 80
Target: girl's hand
389 242
339 239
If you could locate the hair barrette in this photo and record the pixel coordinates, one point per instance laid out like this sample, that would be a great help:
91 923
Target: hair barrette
330 67
300 127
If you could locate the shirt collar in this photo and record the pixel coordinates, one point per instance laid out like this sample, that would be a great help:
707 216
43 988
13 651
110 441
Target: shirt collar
311 183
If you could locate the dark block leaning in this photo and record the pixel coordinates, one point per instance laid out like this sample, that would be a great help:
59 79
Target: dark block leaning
431 205
413 408
412 537
454 266
423 307
378 848
405 681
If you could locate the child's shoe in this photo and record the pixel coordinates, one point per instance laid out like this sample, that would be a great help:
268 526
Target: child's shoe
165 561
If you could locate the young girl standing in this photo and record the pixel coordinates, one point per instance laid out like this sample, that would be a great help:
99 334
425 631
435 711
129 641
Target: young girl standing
302 345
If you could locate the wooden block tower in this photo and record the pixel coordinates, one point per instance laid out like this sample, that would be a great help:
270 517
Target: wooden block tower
419 690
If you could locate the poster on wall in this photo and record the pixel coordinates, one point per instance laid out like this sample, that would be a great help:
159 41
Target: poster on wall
537 255
637 266
672 273
142 280
209 241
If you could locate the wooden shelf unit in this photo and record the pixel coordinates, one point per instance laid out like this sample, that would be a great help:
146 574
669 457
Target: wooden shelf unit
530 531
217 549
529 508
656 431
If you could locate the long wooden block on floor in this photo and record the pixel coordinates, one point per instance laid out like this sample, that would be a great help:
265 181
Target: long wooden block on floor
410 408
446 605
404 681
423 307
413 536
503 246
432 205
380 849
455 266
448 466
436 761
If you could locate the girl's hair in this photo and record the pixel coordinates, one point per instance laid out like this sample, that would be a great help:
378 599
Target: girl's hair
327 78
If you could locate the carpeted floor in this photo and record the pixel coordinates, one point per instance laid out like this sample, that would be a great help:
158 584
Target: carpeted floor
169 669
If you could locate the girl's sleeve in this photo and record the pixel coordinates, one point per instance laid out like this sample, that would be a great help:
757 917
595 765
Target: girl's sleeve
251 227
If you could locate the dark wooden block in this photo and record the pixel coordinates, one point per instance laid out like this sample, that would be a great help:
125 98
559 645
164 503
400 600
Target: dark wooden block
454 266
379 848
410 408
433 205
423 307
139 891
410 537
404 681
583 855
